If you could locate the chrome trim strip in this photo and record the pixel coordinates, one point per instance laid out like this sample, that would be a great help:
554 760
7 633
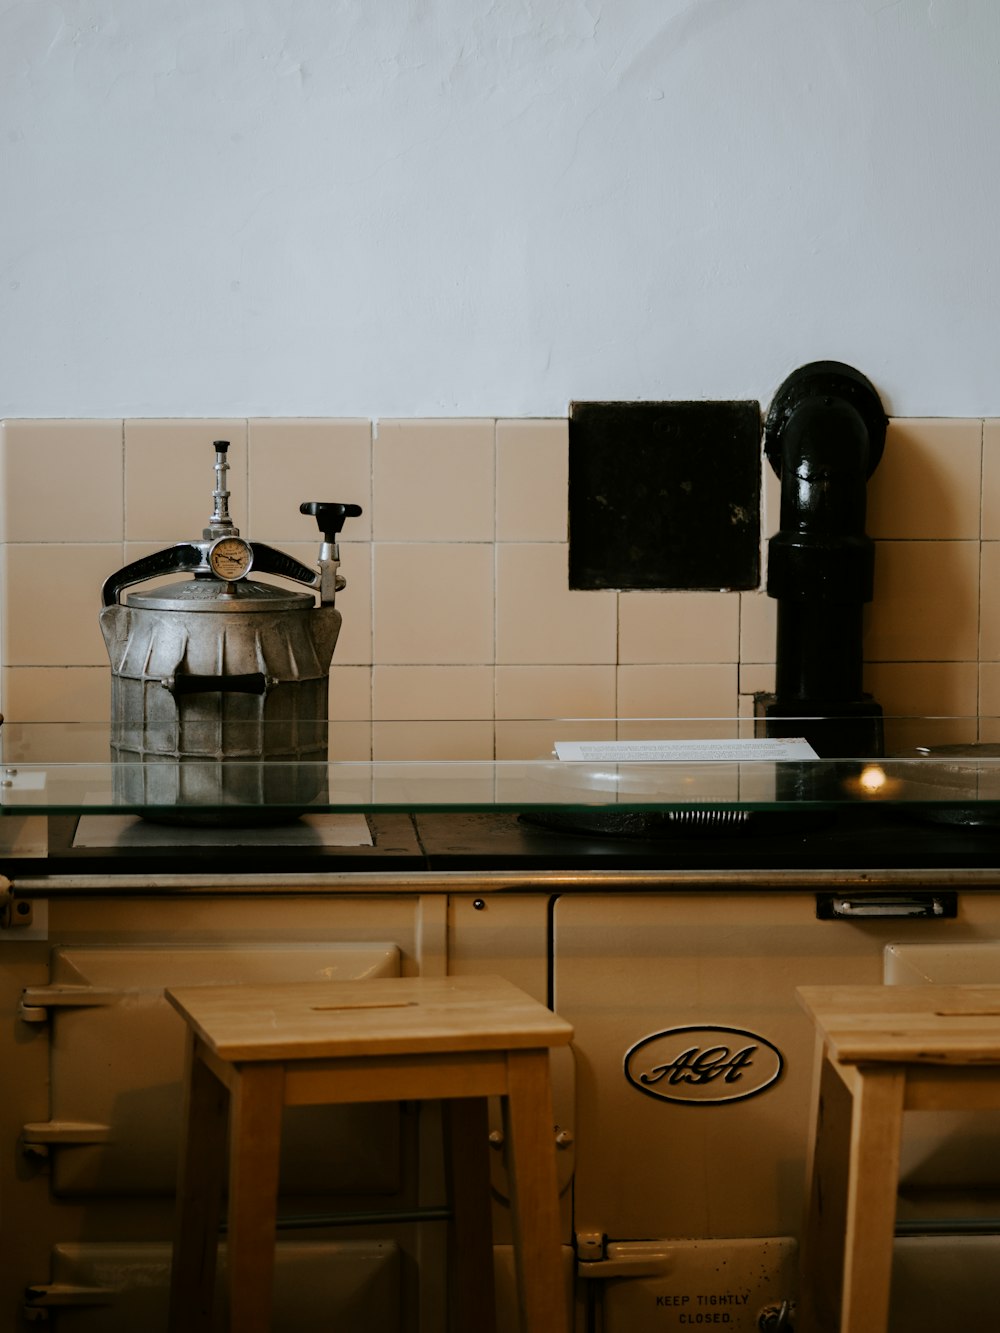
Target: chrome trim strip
495 881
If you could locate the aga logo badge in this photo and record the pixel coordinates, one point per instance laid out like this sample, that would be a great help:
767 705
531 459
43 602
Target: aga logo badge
703 1066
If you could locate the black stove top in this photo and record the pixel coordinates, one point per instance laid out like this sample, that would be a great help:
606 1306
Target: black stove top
857 839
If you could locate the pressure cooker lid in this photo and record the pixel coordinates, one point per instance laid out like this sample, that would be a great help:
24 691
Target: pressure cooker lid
210 594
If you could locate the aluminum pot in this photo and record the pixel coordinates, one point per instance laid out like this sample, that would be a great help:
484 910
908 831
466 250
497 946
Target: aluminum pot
219 683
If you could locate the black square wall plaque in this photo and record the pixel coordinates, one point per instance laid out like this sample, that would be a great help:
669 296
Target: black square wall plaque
664 495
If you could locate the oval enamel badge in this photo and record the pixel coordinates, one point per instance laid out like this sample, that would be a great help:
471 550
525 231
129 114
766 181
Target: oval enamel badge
703 1066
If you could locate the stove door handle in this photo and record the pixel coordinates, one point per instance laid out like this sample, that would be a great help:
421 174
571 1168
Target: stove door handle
882 906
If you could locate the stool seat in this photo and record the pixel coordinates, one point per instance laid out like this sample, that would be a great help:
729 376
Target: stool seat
881 1050
254 1049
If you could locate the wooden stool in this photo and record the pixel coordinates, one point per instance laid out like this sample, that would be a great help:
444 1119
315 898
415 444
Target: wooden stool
882 1050
463 1038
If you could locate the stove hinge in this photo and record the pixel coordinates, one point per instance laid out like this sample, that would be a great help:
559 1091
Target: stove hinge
14 913
41 1298
37 1139
36 1001
593 1260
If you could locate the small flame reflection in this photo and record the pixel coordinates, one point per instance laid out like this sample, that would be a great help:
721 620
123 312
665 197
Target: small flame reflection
873 782
872 779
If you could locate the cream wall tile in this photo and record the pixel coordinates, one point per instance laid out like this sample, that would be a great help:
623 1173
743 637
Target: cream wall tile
756 678
555 691
758 627
989 612
678 728
926 605
678 691
403 693
433 602
354 645
535 740
169 477
927 483
297 460
989 701
991 481
678 627
432 740
532 481
51 602
57 694
433 481
351 741
924 689
61 481
350 692
539 620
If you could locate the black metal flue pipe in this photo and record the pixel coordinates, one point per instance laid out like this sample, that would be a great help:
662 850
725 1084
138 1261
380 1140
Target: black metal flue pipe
824 435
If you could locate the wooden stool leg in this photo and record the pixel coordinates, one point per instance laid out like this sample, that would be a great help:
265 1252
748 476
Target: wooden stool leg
254 1154
199 1196
471 1296
534 1190
822 1250
876 1128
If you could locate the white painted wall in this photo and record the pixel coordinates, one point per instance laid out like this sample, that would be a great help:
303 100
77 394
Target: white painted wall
478 207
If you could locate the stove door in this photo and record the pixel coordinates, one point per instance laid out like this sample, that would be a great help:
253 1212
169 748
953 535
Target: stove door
119 1288
694 1059
117 1058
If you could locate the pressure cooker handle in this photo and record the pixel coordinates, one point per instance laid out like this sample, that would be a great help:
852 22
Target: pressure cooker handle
268 560
330 515
174 558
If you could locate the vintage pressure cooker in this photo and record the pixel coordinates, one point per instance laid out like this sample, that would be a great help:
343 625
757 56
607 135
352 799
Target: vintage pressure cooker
213 674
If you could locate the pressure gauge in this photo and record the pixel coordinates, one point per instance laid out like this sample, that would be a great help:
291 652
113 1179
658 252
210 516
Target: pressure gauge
230 558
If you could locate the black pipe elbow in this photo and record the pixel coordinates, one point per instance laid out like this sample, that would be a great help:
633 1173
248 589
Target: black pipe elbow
821 549
824 435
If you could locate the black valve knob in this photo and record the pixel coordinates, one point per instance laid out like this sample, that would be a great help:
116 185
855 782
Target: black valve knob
329 515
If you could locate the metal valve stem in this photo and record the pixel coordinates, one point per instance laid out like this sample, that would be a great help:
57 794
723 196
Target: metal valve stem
220 522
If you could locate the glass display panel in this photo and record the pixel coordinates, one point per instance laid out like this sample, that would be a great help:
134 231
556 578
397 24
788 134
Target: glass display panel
485 765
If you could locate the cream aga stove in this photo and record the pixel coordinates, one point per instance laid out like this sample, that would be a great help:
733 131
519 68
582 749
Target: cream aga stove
665 886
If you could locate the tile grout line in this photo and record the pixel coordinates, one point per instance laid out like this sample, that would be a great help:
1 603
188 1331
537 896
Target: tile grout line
979 598
372 437
496 546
